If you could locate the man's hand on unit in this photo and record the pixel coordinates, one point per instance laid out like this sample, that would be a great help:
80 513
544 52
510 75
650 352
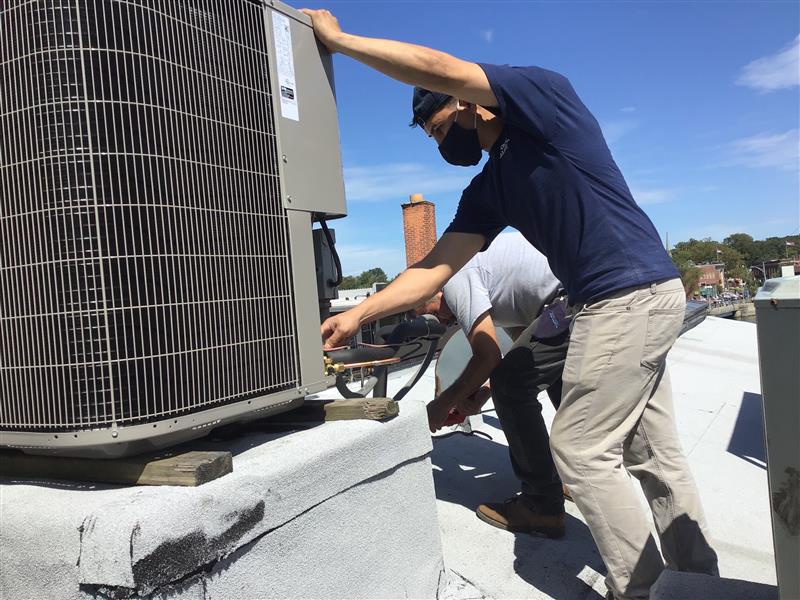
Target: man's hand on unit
326 27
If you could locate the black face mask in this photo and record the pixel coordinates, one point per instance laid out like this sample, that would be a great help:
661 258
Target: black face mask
461 147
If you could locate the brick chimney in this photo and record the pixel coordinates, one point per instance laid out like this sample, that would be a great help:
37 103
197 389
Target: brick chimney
419 228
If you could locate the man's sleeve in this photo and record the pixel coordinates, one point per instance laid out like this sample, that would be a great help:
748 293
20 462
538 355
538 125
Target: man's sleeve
476 214
526 97
467 297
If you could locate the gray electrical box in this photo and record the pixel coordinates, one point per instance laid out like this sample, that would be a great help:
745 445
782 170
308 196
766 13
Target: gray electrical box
778 323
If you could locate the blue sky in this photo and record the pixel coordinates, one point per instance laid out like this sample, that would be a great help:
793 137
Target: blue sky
699 102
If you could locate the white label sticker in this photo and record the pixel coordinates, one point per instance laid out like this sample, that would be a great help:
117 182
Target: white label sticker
287 88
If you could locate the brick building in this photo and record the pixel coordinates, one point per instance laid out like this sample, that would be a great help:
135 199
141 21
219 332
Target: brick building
712 274
774 268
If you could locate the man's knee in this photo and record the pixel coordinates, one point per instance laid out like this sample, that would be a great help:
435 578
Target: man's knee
559 444
566 448
506 379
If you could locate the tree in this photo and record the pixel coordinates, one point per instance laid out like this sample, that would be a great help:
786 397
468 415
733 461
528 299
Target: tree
348 283
737 252
709 251
690 274
364 280
744 244
740 272
772 248
690 277
367 278
750 283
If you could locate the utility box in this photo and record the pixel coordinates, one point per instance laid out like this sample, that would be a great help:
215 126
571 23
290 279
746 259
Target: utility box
778 323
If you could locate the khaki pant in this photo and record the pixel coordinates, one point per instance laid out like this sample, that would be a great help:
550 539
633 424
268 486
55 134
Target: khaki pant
616 410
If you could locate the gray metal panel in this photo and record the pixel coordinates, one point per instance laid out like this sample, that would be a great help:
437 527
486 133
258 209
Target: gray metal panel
310 147
309 341
145 269
778 323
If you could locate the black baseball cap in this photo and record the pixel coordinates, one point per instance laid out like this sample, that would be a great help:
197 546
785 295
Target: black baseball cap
424 103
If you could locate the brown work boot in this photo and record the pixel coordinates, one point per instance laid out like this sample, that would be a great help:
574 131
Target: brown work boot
519 516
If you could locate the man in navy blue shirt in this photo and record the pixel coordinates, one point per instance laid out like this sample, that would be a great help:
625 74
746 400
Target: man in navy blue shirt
551 175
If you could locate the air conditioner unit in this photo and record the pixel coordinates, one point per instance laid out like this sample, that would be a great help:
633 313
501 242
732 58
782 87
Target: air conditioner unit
161 163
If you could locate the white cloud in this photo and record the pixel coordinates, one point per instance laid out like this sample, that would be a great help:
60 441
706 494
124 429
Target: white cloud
628 109
652 195
396 181
614 130
766 150
488 35
770 73
645 192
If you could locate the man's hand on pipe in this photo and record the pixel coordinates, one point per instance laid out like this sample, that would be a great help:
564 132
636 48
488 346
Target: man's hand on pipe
472 405
337 330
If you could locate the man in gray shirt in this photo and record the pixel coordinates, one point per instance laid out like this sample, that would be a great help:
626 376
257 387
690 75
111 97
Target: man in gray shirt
509 286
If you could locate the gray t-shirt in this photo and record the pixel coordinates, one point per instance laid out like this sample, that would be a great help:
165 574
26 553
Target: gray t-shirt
511 279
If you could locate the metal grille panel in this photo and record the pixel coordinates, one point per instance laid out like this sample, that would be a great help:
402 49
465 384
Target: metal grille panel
144 263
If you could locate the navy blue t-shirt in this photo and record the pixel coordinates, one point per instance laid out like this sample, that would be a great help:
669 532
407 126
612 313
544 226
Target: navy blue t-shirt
551 176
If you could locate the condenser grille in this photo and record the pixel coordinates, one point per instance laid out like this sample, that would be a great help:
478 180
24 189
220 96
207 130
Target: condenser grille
144 258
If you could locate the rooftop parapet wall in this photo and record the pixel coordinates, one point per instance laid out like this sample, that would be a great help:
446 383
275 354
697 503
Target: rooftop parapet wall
77 540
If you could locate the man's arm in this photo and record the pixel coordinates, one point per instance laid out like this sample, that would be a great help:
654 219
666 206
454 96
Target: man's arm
486 356
416 284
415 65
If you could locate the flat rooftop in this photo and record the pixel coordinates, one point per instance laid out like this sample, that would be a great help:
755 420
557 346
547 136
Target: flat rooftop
716 390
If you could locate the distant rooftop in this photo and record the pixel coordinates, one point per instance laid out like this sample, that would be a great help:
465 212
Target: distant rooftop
350 298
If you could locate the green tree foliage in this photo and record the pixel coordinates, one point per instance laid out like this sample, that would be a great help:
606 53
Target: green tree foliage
709 251
364 280
737 252
756 251
348 283
775 247
744 244
690 276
